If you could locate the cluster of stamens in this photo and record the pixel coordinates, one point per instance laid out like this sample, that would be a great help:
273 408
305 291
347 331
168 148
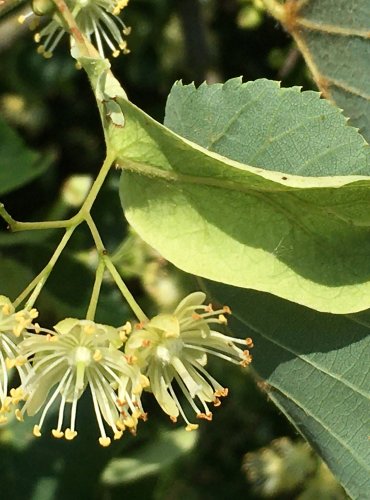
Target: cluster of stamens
166 355
97 20
174 347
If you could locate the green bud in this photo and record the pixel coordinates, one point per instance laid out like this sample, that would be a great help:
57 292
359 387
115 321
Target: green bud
43 7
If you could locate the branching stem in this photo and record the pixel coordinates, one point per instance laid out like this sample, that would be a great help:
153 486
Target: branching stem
113 271
70 225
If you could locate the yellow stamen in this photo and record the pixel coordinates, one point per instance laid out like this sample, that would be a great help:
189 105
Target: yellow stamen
89 329
17 395
10 363
97 356
69 435
249 342
7 309
57 434
127 328
130 421
104 441
191 427
205 416
120 425
19 415
222 319
144 381
222 393
36 431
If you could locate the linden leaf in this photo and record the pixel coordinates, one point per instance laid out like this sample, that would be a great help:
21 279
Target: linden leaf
334 38
306 239
314 367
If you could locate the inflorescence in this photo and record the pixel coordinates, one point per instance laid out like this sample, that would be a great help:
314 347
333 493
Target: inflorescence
167 355
98 21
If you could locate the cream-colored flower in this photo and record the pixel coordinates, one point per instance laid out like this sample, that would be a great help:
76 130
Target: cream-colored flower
12 326
97 19
77 354
174 348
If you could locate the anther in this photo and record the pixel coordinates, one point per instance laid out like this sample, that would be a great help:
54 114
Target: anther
57 434
104 441
249 342
191 427
205 416
69 434
36 431
19 415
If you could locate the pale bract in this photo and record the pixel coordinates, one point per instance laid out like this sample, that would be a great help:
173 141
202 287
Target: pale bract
78 354
172 350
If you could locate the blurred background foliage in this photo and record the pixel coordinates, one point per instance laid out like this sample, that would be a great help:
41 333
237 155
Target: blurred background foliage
51 146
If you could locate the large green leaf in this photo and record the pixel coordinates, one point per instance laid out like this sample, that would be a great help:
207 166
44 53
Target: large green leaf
262 125
316 369
302 238
334 39
18 164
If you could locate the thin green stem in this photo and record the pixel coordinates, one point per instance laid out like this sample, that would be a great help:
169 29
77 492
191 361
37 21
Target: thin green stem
275 8
70 225
99 274
141 316
113 271
15 225
96 236
38 282
95 188
77 219
6 216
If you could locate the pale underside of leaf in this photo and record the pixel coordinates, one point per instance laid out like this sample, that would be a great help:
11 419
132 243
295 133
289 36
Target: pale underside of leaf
306 239
218 220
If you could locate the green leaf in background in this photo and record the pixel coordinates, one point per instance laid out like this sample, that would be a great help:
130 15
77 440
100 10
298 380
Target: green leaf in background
18 164
315 367
52 469
334 40
150 459
306 239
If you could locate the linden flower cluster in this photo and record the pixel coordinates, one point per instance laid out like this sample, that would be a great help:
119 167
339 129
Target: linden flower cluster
97 20
172 349
166 355
12 326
